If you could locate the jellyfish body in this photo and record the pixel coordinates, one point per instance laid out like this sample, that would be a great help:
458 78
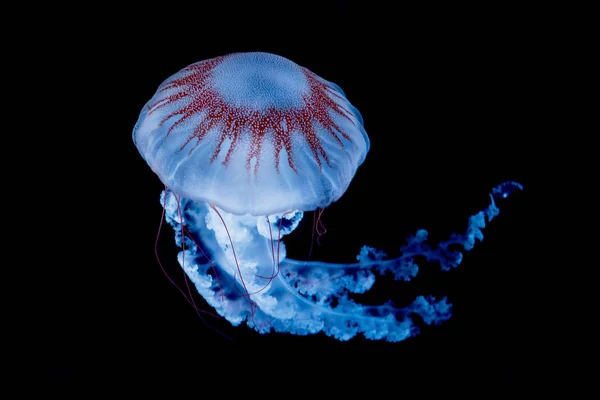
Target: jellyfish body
245 144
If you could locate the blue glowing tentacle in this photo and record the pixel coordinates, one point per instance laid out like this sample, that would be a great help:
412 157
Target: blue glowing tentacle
320 279
347 318
344 321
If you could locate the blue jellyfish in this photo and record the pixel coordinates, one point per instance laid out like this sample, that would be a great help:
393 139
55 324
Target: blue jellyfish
245 144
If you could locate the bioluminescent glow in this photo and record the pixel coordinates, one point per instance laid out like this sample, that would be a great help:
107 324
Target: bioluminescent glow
245 144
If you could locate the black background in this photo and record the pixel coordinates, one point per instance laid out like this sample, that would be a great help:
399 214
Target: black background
451 99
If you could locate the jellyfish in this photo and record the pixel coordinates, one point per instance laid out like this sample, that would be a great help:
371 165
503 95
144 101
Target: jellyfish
245 144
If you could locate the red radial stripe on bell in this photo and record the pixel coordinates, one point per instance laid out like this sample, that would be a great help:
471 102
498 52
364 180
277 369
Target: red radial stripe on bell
194 94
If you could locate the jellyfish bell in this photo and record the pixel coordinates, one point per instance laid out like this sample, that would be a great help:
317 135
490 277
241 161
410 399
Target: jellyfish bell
252 133
245 144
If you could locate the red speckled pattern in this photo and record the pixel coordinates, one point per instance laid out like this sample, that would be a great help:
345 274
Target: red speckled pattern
194 92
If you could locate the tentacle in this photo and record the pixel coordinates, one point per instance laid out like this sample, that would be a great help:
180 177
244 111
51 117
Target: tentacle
307 297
